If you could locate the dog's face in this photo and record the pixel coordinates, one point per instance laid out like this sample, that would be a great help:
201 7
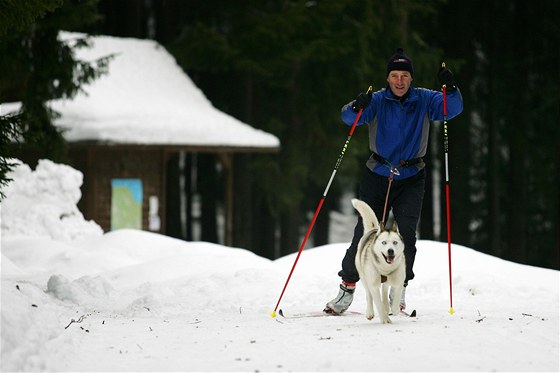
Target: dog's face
388 247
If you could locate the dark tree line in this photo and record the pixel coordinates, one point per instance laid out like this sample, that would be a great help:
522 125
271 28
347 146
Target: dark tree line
509 137
288 66
37 67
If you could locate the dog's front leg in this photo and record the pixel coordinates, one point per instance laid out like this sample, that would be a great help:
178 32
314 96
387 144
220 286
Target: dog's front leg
369 300
385 296
383 315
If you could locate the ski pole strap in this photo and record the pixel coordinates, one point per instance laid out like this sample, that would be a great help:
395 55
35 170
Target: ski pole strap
403 163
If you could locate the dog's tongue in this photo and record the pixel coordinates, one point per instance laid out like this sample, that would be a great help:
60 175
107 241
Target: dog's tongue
389 259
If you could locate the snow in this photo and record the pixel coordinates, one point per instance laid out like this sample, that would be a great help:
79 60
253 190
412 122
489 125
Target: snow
75 299
146 98
55 214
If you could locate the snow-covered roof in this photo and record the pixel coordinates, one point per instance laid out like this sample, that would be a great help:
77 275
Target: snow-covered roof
146 98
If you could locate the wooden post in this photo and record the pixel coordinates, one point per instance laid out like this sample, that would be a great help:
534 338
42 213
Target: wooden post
227 161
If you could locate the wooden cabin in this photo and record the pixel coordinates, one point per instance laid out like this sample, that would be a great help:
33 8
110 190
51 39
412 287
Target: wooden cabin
138 132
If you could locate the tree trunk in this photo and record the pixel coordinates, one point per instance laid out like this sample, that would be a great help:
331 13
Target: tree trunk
322 224
172 203
290 234
264 230
243 204
517 221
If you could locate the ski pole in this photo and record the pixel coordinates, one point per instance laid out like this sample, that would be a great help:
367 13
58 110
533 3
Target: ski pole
447 207
310 228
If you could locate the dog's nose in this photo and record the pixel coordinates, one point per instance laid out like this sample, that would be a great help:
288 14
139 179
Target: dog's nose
391 252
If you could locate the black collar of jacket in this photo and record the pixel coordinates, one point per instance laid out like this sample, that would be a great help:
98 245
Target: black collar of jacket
401 99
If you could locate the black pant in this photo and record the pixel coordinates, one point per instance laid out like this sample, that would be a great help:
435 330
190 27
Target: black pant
405 199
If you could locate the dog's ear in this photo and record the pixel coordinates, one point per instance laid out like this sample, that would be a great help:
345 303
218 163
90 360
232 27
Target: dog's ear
395 227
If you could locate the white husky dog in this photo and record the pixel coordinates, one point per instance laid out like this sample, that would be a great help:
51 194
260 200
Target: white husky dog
380 263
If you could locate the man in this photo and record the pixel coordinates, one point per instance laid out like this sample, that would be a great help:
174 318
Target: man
399 120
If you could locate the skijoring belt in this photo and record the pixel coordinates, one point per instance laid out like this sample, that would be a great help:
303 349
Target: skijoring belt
403 163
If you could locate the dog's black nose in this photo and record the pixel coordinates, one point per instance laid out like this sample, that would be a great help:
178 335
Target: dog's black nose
391 252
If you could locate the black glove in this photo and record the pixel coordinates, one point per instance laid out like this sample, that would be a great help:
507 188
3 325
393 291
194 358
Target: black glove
445 76
361 102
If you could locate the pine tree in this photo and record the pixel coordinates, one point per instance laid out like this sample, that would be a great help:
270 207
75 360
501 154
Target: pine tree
15 17
38 67
9 132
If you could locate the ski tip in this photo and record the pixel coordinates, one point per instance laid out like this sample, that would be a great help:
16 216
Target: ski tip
412 314
273 314
451 311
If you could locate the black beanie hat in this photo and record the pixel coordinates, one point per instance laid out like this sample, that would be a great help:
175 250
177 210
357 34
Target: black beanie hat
400 61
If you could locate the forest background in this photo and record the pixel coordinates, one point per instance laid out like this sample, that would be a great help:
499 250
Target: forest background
287 67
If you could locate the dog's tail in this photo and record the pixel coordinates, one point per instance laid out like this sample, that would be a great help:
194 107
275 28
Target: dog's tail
368 216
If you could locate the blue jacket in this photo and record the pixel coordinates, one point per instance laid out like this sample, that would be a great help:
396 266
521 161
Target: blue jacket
400 131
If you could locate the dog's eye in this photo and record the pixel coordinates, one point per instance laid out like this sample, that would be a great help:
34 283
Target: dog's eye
395 243
384 242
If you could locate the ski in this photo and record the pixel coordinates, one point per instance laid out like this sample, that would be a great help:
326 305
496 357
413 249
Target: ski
412 314
315 314
324 314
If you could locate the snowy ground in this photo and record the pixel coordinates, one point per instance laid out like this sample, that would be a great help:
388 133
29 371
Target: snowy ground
74 299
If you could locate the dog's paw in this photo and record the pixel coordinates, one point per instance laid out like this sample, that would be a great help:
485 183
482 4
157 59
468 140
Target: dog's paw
369 316
386 320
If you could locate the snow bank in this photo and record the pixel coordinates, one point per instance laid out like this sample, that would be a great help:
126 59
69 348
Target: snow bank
43 203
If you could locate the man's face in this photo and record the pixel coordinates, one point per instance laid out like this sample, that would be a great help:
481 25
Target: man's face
399 82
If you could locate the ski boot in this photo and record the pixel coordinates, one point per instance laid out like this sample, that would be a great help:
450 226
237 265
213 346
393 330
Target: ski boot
343 300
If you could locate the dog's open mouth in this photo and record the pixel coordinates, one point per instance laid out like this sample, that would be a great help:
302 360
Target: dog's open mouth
389 258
